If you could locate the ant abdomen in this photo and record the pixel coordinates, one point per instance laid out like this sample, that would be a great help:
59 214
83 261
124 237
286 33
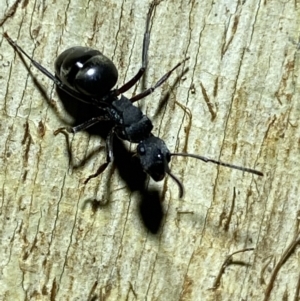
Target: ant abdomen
86 71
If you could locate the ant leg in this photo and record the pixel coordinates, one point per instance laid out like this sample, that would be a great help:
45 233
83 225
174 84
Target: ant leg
146 43
35 63
109 156
56 80
159 82
82 126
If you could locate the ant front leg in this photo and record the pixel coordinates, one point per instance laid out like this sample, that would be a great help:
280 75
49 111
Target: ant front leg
109 156
146 43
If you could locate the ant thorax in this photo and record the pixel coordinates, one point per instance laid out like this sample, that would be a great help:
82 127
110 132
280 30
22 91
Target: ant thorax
132 124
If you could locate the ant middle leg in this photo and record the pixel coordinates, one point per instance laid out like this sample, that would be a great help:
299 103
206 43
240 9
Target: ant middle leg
146 42
82 126
109 157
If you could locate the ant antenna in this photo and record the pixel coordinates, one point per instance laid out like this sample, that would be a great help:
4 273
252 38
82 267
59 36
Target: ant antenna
206 160
180 185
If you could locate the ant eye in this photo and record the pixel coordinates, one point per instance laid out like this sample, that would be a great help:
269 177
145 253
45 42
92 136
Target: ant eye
141 149
160 155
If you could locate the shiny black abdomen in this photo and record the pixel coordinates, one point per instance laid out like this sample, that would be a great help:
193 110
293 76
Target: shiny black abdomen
86 71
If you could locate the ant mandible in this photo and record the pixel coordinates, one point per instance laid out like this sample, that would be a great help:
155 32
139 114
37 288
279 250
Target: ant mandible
89 76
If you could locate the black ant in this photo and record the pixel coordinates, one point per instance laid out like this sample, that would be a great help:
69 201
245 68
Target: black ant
89 76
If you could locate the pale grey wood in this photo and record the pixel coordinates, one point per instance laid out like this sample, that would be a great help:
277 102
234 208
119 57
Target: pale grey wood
242 92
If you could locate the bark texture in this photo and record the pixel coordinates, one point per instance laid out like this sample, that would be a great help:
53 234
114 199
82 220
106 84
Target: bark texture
238 102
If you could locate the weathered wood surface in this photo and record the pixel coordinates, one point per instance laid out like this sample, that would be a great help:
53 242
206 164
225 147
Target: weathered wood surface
239 102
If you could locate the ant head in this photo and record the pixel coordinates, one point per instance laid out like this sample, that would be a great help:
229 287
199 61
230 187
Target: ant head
154 157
